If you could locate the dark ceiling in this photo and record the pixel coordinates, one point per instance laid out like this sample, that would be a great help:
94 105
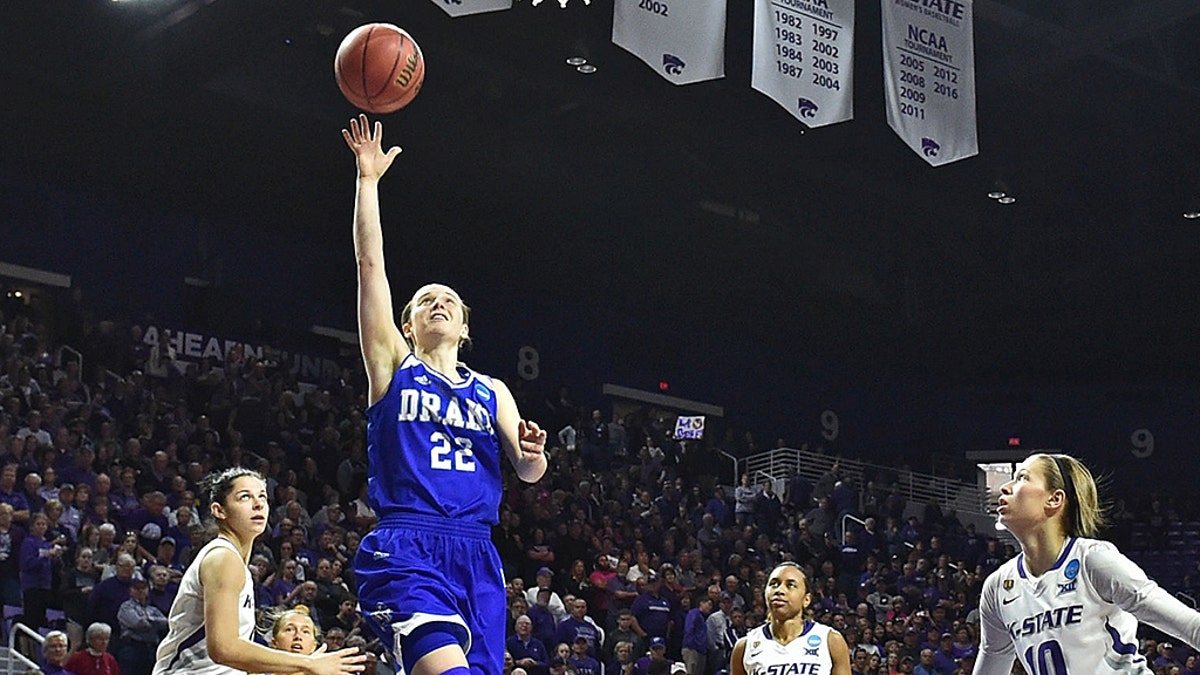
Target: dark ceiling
698 208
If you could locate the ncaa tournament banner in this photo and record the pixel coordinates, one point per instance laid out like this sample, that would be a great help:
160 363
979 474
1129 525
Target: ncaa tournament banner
804 58
682 40
929 77
465 7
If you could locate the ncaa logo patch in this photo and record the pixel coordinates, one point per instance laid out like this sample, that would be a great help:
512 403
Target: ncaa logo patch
814 640
1072 569
482 392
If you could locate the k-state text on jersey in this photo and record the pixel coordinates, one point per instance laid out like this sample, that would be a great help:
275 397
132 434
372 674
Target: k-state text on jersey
1051 618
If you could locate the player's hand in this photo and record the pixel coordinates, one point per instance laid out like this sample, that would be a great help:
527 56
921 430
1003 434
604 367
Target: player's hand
349 660
367 144
531 437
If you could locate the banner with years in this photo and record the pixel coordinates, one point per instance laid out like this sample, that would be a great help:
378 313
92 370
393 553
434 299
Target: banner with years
804 58
929 77
466 7
682 40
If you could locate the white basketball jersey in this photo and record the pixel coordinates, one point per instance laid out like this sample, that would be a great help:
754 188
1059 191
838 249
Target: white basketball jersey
185 649
808 654
1070 619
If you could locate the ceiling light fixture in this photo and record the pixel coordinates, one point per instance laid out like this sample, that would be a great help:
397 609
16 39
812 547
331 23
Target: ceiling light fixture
1192 212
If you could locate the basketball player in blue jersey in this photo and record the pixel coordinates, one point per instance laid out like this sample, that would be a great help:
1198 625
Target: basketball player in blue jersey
1068 604
789 644
429 580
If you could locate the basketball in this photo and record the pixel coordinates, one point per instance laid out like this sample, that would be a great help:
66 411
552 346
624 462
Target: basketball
379 68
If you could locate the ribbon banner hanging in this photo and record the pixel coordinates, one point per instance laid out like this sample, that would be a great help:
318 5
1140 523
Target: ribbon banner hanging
929 77
465 7
804 57
682 40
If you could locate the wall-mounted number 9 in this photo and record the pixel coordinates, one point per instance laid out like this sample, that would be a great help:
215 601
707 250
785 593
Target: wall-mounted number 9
1143 443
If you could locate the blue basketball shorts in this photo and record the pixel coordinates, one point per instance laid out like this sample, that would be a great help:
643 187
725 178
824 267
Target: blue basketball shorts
413 570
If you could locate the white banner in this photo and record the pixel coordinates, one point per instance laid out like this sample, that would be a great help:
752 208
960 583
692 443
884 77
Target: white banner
689 427
929 77
682 40
804 57
465 7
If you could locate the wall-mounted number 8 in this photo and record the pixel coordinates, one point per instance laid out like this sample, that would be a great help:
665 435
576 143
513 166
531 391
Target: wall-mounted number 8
527 363
439 454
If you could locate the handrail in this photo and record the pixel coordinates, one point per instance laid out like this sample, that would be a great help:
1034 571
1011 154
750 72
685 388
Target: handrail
734 479
68 348
12 647
848 516
1186 598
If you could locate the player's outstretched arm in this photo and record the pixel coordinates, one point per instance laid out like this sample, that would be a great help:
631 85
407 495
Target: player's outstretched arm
380 339
222 573
524 442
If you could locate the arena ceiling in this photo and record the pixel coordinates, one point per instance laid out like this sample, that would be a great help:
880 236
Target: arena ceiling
699 208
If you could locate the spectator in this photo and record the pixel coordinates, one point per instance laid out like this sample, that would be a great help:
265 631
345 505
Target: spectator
94 658
527 651
623 632
926 666
38 558
108 595
652 610
149 523
54 654
75 589
576 625
11 496
293 631
11 536
555 604
163 588
581 658
744 497
622 662
657 653
695 636
143 626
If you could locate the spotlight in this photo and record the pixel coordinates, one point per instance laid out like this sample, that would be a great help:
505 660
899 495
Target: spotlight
999 190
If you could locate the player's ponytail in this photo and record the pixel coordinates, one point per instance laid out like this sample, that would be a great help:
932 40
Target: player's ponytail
1084 514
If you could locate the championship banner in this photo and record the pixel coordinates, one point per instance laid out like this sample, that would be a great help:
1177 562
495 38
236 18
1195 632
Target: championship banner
689 427
929 77
465 7
804 58
682 40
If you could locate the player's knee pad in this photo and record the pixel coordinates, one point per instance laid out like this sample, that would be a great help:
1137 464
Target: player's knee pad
428 637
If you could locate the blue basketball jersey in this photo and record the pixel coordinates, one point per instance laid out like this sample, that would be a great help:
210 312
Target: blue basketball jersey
432 446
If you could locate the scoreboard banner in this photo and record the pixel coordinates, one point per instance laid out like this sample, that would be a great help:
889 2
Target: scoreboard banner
929 77
804 58
466 7
682 40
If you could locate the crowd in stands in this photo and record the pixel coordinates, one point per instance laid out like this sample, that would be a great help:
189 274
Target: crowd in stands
628 558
